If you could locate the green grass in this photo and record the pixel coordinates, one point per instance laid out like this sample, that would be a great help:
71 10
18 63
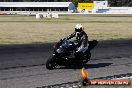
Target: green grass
28 29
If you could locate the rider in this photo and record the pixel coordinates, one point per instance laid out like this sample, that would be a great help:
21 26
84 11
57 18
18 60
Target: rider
81 39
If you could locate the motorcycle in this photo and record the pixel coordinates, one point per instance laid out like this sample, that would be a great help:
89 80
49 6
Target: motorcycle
64 54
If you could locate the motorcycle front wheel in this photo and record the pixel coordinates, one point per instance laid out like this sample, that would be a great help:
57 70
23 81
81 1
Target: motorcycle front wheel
87 58
51 63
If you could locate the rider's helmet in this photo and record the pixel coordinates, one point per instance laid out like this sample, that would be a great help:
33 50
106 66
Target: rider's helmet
79 28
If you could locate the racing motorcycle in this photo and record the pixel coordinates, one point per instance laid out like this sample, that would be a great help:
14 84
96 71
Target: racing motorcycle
64 54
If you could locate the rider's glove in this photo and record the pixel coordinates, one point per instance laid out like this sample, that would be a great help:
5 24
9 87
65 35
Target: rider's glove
65 39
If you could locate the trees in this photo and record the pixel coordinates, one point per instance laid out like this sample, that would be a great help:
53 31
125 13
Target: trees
119 3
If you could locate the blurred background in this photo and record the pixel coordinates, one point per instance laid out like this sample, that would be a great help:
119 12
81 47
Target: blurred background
115 3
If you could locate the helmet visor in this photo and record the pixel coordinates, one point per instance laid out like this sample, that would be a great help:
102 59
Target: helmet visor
78 30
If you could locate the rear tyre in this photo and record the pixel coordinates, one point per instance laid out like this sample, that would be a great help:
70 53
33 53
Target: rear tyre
50 64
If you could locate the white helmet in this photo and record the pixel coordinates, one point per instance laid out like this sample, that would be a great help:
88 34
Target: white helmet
79 28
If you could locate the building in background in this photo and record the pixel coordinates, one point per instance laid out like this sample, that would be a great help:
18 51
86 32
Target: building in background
37 6
95 7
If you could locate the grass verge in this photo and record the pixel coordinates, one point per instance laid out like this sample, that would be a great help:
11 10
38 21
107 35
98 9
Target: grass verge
28 29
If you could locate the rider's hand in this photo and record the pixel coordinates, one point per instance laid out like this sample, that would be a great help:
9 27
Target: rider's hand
65 39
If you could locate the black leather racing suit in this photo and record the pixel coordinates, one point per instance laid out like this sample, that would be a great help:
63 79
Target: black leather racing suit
82 39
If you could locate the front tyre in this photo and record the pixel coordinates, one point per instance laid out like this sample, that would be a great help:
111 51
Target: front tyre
87 57
50 64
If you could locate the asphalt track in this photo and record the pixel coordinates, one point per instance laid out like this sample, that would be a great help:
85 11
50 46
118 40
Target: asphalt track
23 66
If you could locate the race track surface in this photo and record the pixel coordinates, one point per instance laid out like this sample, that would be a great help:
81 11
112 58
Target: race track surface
23 66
